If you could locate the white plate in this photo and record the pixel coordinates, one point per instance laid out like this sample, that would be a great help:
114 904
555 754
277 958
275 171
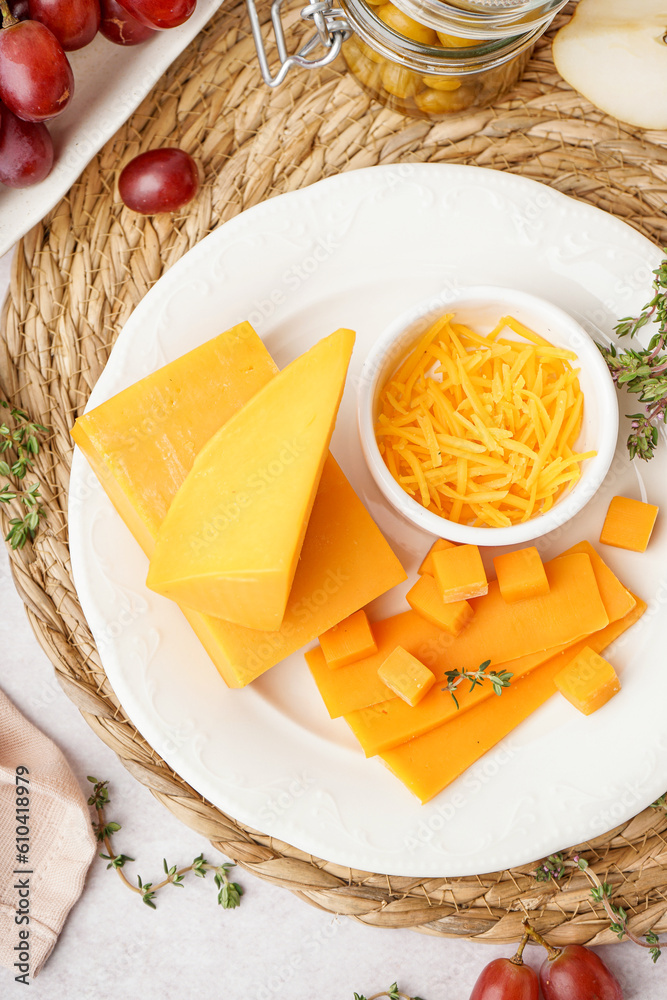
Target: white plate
110 81
355 250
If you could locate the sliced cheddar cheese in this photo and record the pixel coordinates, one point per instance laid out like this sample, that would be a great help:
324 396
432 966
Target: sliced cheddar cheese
386 725
143 441
232 537
573 608
429 763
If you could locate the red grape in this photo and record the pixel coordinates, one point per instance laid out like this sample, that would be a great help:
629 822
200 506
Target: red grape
120 27
73 22
26 151
20 9
506 979
36 80
161 180
160 14
576 973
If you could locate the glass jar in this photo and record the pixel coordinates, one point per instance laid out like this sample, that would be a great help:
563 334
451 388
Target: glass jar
431 59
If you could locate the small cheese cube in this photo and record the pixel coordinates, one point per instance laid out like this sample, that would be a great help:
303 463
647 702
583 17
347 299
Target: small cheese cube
425 599
628 524
459 573
521 574
350 640
588 681
406 676
439 546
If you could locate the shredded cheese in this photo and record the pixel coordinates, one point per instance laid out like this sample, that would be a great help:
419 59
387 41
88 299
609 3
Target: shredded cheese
481 429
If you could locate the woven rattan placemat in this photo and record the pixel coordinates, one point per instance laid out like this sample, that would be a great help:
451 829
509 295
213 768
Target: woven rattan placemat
78 275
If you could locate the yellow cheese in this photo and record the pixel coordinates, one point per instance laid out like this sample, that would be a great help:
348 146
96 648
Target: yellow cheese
498 632
386 725
232 537
429 763
588 681
143 441
406 676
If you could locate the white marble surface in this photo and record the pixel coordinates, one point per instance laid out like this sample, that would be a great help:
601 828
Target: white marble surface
274 946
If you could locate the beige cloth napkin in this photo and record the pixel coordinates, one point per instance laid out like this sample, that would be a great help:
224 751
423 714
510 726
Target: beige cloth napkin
50 827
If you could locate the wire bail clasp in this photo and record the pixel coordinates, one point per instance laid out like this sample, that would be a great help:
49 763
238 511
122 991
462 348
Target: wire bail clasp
332 28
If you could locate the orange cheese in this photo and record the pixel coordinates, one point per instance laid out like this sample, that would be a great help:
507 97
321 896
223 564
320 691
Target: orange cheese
439 546
459 573
350 640
588 681
232 537
429 763
521 574
424 598
143 441
629 524
498 632
406 676
386 725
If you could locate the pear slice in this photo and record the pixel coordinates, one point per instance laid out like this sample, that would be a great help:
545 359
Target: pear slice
612 52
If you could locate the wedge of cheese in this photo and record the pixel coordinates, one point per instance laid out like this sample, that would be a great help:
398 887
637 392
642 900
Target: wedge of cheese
232 537
429 763
498 632
141 445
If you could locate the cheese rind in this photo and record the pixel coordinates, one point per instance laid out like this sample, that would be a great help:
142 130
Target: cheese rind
231 540
142 442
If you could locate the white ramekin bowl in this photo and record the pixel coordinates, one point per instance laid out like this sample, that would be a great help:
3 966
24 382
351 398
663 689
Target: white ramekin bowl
481 308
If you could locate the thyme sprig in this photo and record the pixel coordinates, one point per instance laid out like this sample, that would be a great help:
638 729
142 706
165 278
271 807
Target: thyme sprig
19 443
393 993
644 372
498 680
229 893
556 865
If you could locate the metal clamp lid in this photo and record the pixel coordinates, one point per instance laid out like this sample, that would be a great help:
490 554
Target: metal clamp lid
332 30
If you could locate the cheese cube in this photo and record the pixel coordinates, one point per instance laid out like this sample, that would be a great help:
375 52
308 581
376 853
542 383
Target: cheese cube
425 599
521 574
628 524
406 676
459 573
588 681
439 546
348 641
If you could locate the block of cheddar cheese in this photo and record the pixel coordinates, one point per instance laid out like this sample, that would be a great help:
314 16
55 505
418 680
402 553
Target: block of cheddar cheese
142 443
232 537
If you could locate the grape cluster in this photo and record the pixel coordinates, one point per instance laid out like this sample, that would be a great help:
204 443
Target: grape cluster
36 79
